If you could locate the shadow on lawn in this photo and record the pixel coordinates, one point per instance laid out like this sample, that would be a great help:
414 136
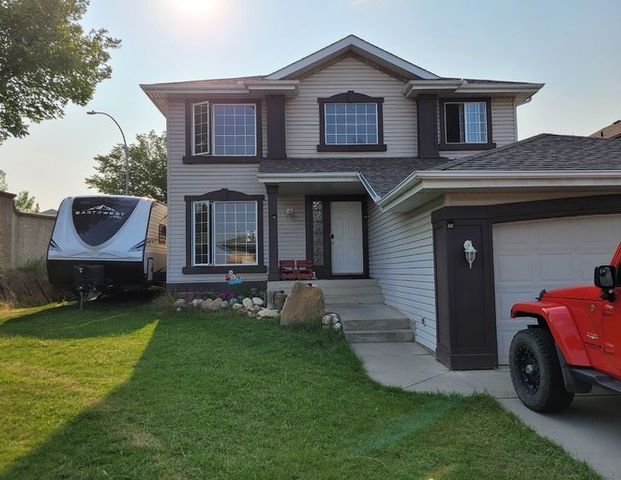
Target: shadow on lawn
98 319
222 397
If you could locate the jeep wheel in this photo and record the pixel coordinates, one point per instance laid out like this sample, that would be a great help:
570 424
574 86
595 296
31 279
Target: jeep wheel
536 372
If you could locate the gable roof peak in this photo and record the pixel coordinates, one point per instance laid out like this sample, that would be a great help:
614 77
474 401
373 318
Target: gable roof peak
360 46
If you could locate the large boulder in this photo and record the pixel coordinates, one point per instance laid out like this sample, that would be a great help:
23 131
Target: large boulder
305 305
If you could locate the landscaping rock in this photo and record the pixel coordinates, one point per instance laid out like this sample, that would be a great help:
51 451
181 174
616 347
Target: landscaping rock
327 319
305 305
180 303
225 304
337 326
247 302
197 302
237 306
257 301
207 304
267 313
217 304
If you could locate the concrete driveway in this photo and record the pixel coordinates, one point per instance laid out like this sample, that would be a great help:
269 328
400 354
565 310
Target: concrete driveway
590 429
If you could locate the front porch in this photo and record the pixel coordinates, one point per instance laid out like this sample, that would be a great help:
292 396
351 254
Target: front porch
325 234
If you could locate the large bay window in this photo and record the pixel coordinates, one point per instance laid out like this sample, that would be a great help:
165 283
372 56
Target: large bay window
224 231
227 130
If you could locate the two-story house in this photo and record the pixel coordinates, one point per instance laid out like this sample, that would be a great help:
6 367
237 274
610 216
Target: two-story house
377 171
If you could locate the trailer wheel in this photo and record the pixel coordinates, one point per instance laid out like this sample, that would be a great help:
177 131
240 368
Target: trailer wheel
536 371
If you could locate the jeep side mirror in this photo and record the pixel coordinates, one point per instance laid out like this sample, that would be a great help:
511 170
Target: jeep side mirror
605 276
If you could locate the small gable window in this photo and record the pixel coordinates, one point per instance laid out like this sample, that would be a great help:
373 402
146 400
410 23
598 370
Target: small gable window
351 122
465 122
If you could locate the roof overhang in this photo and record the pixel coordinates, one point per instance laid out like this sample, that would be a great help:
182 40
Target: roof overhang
458 87
160 93
420 187
358 46
318 177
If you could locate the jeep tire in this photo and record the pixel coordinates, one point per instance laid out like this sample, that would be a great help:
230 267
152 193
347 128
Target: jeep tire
536 371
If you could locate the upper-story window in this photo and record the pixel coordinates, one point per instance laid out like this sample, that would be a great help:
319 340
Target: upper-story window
351 122
222 130
466 122
235 130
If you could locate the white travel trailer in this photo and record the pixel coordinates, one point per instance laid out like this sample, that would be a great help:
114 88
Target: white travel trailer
108 243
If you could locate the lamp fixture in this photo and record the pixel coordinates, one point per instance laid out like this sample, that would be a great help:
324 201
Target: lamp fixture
470 252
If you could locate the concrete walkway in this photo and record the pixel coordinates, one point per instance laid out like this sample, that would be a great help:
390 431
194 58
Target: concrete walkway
590 429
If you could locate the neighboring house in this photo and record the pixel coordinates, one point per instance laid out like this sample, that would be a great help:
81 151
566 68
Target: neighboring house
611 131
344 158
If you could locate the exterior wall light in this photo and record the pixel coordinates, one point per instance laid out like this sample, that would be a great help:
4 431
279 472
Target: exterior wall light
290 213
470 252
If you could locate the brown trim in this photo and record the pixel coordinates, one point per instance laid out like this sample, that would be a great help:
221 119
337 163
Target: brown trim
189 158
223 195
276 141
427 118
465 299
351 97
326 271
466 146
272 221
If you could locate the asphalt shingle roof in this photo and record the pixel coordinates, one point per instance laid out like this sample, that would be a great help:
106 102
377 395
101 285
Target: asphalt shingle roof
383 174
545 152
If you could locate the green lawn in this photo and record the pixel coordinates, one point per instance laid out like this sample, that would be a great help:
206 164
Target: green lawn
120 392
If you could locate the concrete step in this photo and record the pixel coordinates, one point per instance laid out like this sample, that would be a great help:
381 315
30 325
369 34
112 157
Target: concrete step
386 324
353 299
377 311
377 336
348 291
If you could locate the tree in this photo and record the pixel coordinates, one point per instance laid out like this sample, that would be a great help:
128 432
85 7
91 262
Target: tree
3 185
47 61
25 203
147 168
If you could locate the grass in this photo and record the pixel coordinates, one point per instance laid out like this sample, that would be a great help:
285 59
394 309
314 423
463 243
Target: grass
119 391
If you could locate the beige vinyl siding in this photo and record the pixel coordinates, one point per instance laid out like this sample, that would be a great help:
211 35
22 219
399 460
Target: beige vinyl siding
302 111
401 259
504 126
291 231
195 180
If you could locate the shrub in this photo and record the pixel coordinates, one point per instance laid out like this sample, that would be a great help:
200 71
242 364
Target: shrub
165 302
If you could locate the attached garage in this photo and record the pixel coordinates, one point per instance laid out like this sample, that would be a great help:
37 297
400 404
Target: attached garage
522 248
552 253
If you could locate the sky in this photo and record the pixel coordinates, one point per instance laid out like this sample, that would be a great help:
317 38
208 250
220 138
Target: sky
573 46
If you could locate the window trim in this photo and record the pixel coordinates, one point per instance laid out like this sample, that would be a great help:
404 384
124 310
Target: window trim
223 195
193 129
351 97
453 146
213 130
190 158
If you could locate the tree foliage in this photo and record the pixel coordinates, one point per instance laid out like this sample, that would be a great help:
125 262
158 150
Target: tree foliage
47 61
3 185
26 203
147 168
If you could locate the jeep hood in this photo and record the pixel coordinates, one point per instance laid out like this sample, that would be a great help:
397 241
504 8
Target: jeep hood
577 293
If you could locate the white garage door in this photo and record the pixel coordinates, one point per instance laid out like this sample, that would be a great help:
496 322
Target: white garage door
531 256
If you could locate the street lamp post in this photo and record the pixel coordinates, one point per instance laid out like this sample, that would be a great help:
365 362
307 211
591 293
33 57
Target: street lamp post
93 112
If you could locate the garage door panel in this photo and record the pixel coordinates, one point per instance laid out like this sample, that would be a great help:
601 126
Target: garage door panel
513 268
551 253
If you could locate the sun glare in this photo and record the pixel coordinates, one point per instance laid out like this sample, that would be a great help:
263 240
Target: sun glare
193 6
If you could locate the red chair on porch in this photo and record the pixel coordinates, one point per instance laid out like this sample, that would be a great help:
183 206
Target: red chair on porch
296 270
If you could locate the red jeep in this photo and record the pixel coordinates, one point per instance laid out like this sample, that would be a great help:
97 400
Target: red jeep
574 344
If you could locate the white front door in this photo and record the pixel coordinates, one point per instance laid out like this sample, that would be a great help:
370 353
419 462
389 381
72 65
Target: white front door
346 231
533 255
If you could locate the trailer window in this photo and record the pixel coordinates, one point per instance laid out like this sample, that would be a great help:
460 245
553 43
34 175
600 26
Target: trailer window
161 234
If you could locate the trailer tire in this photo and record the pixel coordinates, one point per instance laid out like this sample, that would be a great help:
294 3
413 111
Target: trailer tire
536 371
